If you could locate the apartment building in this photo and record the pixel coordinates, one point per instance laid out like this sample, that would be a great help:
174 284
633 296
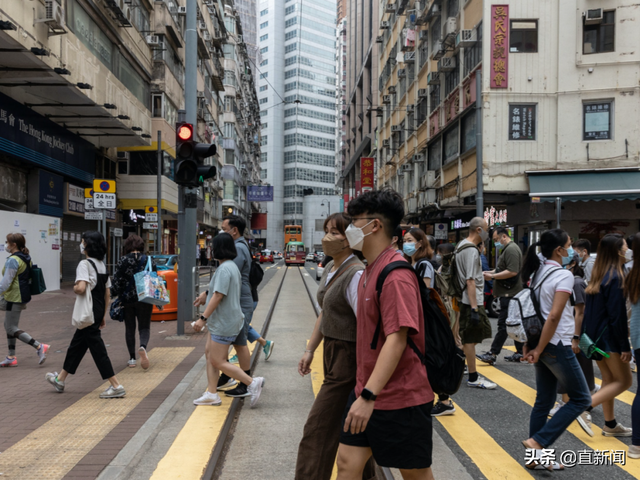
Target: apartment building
297 97
341 100
555 95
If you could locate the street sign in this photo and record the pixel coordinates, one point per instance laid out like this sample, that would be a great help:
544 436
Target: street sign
440 231
150 226
88 203
151 217
93 215
88 193
104 186
117 232
150 209
535 199
104 200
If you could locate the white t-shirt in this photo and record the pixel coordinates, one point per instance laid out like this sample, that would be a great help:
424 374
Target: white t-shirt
428 269
352 289
558 281
86 272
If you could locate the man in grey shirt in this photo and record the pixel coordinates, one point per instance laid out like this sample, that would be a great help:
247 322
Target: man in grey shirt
583 248
235 226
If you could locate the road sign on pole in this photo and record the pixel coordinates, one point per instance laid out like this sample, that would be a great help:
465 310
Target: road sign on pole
88 203
104 200
104 186
95 215
150 226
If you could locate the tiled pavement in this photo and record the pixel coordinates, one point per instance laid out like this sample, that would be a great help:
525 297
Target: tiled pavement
27 401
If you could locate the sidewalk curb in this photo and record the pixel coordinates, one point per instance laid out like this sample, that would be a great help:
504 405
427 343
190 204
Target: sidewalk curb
119 465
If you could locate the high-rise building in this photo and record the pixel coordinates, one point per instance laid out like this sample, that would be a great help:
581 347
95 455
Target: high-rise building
341 99
246 10
342 9
297 97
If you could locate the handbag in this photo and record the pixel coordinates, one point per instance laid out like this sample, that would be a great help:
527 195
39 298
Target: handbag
588 346
37 284
116 311
150 287
82 316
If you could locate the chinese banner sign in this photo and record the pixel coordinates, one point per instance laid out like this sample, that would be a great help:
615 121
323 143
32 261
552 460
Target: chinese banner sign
522 122
499 46
366 174
257 193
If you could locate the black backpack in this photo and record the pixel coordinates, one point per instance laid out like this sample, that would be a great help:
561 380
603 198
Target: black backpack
256 274
442 358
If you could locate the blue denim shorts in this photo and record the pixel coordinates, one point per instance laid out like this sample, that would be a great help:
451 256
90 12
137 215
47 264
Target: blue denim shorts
222 340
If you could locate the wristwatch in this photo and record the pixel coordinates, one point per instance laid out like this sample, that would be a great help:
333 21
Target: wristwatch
475 309
203 318
576 337
368 395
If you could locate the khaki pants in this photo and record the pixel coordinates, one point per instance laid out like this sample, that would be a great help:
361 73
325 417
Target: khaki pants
319 444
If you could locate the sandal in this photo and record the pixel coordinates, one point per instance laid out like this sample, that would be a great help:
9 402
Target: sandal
536 463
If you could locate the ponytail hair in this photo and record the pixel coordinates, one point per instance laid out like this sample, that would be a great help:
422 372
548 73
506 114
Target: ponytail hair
549 241
20 242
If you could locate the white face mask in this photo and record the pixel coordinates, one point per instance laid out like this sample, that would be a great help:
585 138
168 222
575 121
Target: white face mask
355 236
628 255
6 248
82 248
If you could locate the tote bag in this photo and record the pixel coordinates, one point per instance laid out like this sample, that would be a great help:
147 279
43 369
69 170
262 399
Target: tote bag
83 310
150 287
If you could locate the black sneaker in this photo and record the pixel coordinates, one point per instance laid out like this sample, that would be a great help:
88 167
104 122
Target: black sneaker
487 357
440 409
238 392
516 358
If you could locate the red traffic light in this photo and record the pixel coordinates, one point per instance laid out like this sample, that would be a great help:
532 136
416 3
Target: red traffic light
185 131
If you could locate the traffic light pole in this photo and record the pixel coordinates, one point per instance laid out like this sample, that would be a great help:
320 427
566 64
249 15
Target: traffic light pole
187 200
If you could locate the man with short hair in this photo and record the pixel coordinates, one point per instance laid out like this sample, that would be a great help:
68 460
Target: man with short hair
388 415
474 323
583 248
506 284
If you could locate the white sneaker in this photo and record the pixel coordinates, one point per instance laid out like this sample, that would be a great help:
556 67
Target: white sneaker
585 422
482 383
132 363
255 389
558 406
111 392
618 431
208 398
595 389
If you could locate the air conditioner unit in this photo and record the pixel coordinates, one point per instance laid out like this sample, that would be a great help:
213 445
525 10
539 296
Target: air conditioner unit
451 27
239 39
422 93
384 25
391 8
386 99
202 25
407 167
433 78
411 108
466 38
206 35
447 64
182 10
123 155
427 180
380 39
396 128
54 15
392 89
438 51
410 57
418 158
153 40
594 16
386 143
200 95
402 73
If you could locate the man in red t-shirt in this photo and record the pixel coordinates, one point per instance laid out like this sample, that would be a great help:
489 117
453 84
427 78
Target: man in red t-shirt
389 412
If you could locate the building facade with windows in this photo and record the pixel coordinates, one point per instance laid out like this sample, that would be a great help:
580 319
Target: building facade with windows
341 99
297 99
557 88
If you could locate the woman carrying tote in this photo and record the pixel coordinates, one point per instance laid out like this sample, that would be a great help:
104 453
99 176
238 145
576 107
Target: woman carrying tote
91 274
124 287
553 357
14 296
336 324
605 322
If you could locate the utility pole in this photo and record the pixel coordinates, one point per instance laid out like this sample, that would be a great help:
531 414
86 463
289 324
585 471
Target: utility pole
187 197
480 184
159 197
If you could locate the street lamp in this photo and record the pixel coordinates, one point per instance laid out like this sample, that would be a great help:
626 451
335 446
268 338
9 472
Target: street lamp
328 204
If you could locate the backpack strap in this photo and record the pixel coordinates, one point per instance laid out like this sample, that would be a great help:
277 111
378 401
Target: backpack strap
549 273
379 284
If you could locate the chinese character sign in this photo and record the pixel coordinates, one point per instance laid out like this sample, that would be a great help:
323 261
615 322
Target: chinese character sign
366 174
495 217
522 122
259 194
499 46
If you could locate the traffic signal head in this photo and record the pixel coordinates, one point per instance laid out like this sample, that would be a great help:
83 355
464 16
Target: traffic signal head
190 169
205 172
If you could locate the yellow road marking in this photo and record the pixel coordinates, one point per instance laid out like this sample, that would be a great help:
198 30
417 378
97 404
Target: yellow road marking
528 395
53 449
190 451
492 460
625 397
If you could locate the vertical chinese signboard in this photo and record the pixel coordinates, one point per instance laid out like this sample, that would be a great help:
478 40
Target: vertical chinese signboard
522 122
499 46
366 174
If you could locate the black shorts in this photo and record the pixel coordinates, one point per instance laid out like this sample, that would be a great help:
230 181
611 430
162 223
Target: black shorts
397 438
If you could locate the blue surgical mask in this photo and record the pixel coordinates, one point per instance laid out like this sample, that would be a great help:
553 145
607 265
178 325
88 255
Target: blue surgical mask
409 249
498 245
567 260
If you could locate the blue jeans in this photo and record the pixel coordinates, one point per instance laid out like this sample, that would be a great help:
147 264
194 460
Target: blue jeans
252 335
557 363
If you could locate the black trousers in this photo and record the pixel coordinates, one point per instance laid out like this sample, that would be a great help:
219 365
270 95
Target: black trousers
501 335
141 311
88 339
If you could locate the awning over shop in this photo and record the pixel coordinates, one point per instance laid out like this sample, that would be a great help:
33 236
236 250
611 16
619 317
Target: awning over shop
585 185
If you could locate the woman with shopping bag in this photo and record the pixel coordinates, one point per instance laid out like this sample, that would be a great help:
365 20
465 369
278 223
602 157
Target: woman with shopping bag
89 317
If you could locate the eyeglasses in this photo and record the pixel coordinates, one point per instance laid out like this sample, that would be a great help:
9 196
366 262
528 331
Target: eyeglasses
363 218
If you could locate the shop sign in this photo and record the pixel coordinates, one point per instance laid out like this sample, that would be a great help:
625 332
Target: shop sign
499 74
117 232
27 135
495 217
522 122
75 200
50 194
535 199
256 193
459 224
366 174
